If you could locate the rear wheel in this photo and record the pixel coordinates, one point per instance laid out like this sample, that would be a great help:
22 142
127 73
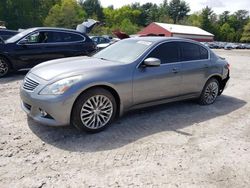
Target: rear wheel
4 67
210 92
94 110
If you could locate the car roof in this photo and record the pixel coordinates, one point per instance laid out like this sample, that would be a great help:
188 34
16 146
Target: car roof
156 39
161 39
8 30
55 29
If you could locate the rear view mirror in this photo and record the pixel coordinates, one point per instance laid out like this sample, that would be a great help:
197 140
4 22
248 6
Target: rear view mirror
152 62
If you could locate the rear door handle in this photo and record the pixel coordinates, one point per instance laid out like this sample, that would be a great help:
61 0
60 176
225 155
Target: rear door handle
206 66
175 70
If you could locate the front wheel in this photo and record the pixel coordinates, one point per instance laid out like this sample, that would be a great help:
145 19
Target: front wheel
94 110
209 92
4 67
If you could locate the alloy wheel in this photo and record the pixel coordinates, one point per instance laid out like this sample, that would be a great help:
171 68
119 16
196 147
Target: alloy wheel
4 68
211 92
96 112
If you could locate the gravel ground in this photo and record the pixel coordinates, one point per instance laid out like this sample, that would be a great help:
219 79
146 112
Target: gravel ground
175 145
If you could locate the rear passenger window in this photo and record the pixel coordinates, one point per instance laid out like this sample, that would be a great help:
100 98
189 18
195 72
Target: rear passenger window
167 52
203 52
66 37
189 51
75 37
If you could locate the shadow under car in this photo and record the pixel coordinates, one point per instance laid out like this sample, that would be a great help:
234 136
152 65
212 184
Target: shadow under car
136 125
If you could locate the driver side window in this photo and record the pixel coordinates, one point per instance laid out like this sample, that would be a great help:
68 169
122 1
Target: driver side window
37 37
167 52
33 38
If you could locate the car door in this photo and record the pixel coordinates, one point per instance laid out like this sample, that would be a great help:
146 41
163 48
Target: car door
195 65
30 50
154 83
65 44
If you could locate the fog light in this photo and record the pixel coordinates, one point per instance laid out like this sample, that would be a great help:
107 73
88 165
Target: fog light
43 112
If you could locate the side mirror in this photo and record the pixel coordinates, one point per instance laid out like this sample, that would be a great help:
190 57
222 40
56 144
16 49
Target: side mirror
23 41
152 62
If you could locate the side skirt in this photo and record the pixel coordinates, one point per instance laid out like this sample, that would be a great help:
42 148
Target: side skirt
163 101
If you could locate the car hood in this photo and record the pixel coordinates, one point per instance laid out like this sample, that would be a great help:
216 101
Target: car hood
69 66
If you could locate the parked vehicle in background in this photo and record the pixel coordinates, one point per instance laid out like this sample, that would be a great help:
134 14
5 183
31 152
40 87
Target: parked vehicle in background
247 46
102 42
5 33
213 45
36 45
225 45
241 46
228 46
108 37
221 45
129 74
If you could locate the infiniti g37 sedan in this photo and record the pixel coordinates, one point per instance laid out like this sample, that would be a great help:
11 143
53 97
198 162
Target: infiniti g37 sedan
36 45
129 74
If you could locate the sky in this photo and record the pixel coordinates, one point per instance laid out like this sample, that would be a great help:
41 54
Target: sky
196 5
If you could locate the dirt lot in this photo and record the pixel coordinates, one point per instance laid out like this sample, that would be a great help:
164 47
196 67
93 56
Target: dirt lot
174 145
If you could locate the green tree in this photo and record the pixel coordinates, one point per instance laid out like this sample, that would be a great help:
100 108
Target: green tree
149 13
178 10
242 15
209 22
246 33
224 17
227 33
67 13
116 18
128 27
238 19
93 9
194 20
164 12
206 22
24 13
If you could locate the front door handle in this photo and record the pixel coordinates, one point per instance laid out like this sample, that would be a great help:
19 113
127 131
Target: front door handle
175 70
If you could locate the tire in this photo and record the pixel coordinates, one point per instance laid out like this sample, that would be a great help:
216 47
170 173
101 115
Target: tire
94 110
209 92
4 67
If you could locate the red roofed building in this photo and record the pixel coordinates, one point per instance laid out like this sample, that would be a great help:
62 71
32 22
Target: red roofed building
174 30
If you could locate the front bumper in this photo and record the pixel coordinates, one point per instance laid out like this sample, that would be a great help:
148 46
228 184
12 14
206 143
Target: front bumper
57 108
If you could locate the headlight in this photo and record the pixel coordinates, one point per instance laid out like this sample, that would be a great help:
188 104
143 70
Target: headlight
59 87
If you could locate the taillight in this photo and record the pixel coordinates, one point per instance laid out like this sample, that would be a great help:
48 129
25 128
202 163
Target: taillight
228 66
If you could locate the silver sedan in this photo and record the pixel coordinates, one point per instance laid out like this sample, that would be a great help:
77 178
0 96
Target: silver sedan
90 92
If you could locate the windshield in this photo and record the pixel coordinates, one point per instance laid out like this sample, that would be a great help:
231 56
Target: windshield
125 51
19 36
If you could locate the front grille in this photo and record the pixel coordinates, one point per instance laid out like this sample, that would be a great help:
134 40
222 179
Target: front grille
29 84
